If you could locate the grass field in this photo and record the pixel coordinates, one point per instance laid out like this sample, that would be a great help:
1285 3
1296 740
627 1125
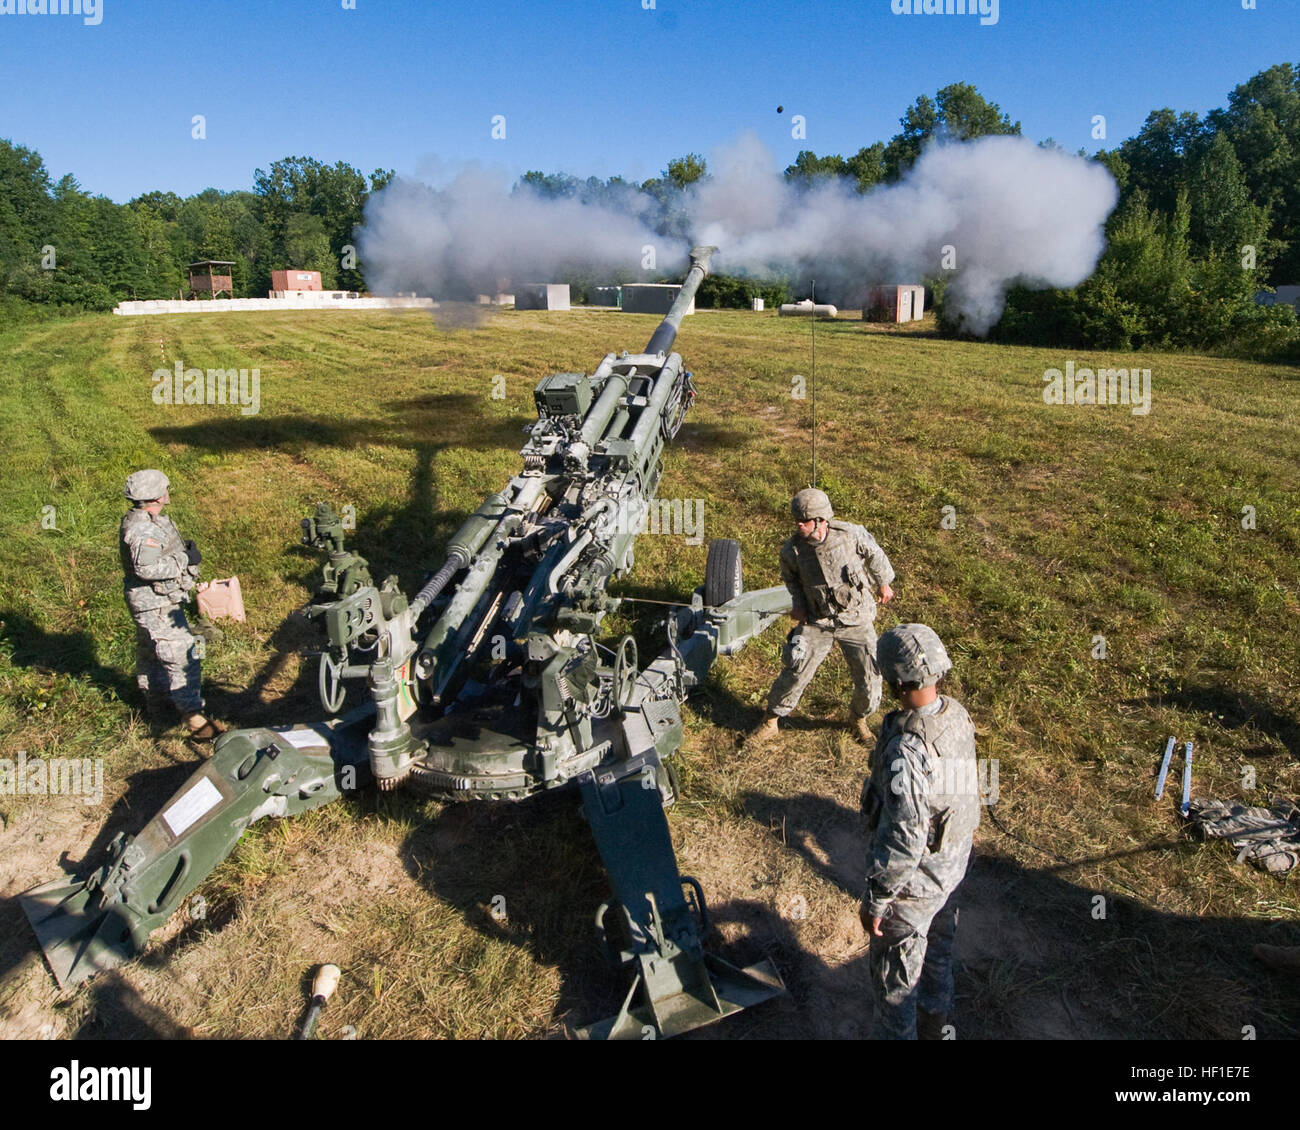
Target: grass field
1071 523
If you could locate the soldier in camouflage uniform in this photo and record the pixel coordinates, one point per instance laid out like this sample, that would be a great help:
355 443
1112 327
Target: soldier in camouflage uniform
922 807
830 568
160 570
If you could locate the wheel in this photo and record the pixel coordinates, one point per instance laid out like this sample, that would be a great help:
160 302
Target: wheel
722 580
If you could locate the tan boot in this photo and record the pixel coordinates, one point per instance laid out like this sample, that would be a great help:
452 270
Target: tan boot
863 730
202 729
764 732
930 1025
1279 957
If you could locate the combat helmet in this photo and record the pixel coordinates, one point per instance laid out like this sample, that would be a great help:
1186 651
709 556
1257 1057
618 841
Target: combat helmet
913 656
145 486
811 503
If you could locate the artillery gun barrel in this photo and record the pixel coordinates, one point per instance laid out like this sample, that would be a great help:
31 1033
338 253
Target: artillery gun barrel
594 426
661 341
466 542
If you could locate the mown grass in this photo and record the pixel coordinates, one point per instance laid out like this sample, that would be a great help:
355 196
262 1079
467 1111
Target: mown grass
1071 523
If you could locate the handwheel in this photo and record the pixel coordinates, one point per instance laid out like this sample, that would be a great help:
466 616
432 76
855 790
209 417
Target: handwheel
330 682
625 669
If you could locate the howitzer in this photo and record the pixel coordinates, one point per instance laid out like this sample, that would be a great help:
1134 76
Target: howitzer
488 684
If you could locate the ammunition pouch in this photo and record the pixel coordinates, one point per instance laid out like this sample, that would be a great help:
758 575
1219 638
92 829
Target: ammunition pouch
845 596
938 828
796 653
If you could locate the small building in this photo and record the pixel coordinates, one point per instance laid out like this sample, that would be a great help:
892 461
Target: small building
542 296
290 281
894 304
651 298
605 296
206 278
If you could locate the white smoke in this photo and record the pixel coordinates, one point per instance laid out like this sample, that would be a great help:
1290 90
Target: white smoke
1004 210
476 234
1001 209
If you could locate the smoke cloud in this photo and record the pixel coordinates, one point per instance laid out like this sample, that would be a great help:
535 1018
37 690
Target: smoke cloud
1002 209
475 234
999 211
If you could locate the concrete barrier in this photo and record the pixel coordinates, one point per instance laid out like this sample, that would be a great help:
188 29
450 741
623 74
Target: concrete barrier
304 301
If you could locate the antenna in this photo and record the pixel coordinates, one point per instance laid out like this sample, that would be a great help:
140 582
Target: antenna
812 322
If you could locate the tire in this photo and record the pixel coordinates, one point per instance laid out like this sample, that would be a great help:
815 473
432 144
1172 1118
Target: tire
722 578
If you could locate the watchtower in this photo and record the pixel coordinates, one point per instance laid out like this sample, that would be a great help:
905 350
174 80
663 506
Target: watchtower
206 277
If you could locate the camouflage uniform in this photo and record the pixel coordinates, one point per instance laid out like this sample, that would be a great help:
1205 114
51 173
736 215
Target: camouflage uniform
922 806
158 578
831 583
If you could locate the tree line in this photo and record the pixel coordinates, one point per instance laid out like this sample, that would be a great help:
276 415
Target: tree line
62 249
1209 213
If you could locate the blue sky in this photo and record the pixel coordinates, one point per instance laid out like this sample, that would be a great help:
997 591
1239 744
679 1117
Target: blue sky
585 86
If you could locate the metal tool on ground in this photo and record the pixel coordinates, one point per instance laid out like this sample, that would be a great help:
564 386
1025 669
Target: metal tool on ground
322 988
1164 768
1186 806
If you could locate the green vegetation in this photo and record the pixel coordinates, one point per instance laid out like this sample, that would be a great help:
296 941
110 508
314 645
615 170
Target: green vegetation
1071 523
63 250
1209 214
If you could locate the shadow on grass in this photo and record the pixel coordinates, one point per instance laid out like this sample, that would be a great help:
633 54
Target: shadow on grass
1034 961
1231 709
68 653
115 1011
711 437
401 537
539 858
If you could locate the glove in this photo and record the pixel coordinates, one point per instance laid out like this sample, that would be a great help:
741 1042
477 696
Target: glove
193 551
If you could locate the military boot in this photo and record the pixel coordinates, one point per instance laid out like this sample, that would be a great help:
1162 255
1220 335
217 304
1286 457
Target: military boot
209 631
202 729
930 1025
1279 957
863 730
764 732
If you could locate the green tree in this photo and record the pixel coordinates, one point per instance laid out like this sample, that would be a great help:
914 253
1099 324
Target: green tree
865 169
686 170
26 220
958 110
1223 217
335 194
1262 120
1159 157
307 248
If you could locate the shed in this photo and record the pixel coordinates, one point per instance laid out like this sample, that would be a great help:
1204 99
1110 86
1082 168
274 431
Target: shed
652 298
542 296
289 280
894 304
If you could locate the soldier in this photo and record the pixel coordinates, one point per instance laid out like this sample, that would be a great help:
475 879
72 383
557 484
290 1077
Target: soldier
160 570
830 568
922 807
